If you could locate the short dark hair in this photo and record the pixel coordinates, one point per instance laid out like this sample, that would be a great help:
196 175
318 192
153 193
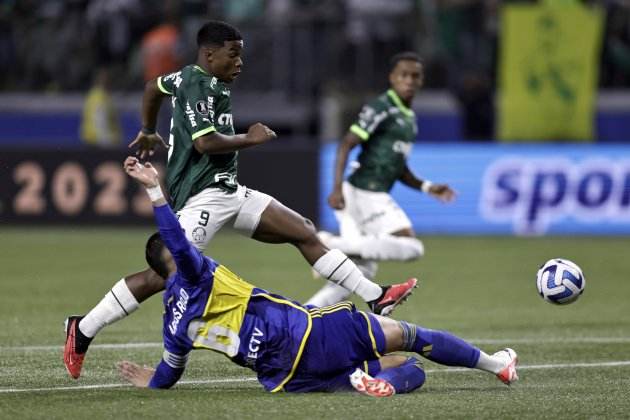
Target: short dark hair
403 56
215 32
153 254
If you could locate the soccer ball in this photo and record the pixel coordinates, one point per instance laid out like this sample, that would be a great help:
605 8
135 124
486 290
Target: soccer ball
560 281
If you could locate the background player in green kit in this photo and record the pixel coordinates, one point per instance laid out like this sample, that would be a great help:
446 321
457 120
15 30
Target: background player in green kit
372 225
202 186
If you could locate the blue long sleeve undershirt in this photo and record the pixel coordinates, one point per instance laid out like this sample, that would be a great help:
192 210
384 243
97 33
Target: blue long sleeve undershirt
188 259
189 262
165 376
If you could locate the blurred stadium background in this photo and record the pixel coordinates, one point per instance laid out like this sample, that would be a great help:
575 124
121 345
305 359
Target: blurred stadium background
525 112
499 74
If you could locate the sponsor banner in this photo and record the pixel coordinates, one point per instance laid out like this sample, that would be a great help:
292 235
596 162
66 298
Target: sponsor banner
89 186
548 71
70 187
511 189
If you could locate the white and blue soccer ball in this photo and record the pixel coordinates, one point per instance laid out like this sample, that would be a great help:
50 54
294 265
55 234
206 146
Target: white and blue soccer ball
560 281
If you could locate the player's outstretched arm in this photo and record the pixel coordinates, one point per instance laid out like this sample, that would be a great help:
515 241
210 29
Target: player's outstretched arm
442 192
163 377
216 143
335 199
148 139
188 260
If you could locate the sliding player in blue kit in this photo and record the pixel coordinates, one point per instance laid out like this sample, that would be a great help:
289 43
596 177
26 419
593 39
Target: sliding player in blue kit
290 346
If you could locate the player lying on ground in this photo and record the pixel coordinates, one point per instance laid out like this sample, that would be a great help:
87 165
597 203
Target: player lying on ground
372 225
291 347
203 188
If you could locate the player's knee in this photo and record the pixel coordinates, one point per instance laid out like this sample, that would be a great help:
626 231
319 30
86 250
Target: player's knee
418 376
309 233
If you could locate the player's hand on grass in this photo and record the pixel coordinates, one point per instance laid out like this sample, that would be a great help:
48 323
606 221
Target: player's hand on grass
442 192
145 174
137 375
260 133
336 200
146 144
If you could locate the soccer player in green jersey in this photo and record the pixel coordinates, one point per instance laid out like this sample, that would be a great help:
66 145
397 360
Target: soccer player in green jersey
203 188
372 225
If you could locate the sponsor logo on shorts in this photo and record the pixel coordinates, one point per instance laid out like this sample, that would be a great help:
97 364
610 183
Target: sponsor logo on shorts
199 234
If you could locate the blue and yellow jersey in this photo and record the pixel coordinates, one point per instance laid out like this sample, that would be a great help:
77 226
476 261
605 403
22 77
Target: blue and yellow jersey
209 307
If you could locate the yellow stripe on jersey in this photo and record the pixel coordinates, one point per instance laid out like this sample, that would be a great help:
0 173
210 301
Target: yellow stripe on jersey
369 324
162 88
222 318
399 103
203 132
307 333
363 135
366 367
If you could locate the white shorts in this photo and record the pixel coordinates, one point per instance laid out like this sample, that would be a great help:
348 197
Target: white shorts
205 213
370 213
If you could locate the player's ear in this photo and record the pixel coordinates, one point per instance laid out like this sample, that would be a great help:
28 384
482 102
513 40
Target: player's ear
207 53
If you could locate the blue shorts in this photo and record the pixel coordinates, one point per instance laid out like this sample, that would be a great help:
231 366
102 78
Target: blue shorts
341 340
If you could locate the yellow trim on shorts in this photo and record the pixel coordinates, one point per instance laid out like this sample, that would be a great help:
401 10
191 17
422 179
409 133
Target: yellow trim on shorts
366 367
203 132
161 87
307 333
363 135
367 318
318 312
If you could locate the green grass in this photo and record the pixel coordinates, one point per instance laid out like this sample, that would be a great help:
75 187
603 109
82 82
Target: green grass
481 289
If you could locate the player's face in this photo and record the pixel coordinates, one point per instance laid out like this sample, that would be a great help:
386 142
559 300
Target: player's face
225 62
406 78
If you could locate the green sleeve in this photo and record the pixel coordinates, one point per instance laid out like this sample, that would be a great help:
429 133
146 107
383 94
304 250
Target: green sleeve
369 119
169 83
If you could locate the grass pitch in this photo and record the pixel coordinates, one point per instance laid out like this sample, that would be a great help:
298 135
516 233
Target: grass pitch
575 360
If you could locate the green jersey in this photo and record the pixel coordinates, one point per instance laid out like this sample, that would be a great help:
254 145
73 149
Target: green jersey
387 129
201 105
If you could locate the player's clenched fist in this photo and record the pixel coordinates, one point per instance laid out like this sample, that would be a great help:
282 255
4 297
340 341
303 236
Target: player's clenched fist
336 201
260 133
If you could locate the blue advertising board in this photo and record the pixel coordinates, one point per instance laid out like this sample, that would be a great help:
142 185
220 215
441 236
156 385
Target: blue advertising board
563 189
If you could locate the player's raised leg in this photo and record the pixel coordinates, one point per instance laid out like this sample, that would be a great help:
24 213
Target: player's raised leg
279 224
386 247
332 293
447 349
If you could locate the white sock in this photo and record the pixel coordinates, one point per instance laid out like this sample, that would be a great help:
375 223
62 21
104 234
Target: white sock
381 248
492 364
116 304
329 295
337 267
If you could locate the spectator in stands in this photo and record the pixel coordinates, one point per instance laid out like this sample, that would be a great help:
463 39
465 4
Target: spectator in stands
100 124
161 50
